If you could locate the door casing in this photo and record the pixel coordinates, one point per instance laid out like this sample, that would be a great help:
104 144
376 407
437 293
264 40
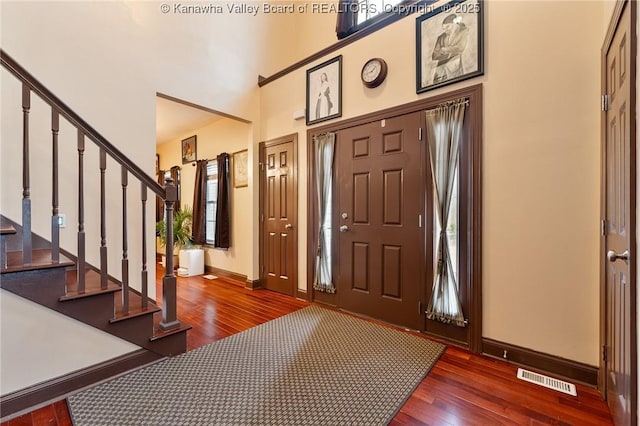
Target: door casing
473 248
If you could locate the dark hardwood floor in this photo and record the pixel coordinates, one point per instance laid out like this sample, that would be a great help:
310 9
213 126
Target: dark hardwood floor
461 389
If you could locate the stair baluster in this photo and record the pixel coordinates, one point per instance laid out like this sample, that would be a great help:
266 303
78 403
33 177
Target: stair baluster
82 299
104 276
125 259
169 314
55 219
145 279
81 265
26 191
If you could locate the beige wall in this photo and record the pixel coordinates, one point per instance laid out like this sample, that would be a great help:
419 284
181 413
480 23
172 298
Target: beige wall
229 136
540 162
541 127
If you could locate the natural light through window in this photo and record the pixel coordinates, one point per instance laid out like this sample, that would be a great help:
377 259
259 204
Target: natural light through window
212 201
369 8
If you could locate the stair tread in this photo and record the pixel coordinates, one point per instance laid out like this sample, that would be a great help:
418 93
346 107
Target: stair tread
40 259
135 304
134 312
159 333
92 285
6 229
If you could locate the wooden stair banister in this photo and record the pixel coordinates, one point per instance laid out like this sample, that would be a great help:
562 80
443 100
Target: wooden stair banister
85 132
169 282
55 218
26 186
38 88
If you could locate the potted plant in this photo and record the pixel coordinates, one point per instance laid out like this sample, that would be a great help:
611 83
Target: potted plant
181 232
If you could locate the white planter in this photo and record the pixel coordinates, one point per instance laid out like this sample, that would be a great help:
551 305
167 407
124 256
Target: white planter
191 262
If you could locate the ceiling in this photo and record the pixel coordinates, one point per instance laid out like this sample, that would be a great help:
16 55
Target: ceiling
175 120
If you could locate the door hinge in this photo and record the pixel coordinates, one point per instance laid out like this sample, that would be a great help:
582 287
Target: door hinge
419 221
261 217
604 353
605 103
603 227
420 134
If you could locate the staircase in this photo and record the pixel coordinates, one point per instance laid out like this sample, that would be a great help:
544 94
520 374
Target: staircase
38 269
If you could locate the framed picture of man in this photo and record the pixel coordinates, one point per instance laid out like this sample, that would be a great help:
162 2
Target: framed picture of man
324 91
449 44
189 149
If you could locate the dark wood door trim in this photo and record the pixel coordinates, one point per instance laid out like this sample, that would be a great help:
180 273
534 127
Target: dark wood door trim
633 48
293 138
474 249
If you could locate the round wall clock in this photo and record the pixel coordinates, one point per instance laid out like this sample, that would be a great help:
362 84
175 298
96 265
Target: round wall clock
373 72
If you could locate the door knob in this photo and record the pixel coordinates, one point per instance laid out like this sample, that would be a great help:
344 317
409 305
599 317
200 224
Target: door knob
344 228
613 256
288 226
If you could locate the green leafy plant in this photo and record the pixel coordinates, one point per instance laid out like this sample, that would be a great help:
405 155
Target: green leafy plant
182 220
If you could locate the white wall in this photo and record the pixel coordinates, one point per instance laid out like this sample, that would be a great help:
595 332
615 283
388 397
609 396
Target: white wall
540 162
51 344
229 136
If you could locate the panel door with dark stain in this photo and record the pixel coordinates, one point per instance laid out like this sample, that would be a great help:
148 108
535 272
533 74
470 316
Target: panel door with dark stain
378 220
619 227
279 209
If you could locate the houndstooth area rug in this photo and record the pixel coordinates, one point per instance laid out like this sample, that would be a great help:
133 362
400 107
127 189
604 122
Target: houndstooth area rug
311 367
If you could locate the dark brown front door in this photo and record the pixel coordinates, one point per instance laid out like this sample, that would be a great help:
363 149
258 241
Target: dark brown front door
378 220
619 225
280 226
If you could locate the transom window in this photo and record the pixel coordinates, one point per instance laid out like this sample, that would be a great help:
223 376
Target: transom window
368 9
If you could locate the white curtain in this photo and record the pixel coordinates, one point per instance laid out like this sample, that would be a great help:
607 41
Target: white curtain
324 145
444 132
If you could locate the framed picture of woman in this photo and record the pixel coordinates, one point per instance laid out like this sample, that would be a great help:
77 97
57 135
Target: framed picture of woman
324 91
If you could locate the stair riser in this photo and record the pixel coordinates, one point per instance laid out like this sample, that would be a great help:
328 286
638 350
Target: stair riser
174 344
96 310
136 330
14 242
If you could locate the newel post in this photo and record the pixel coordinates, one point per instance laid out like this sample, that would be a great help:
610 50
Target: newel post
169 299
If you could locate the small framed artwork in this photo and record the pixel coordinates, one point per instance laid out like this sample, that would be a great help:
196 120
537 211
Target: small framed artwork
240 170
324 91
449 44
189 149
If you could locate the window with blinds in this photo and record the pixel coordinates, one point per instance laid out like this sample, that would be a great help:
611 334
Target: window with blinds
212 201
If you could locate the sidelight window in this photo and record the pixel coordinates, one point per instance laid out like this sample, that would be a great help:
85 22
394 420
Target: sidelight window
324 145
444 135
451 229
